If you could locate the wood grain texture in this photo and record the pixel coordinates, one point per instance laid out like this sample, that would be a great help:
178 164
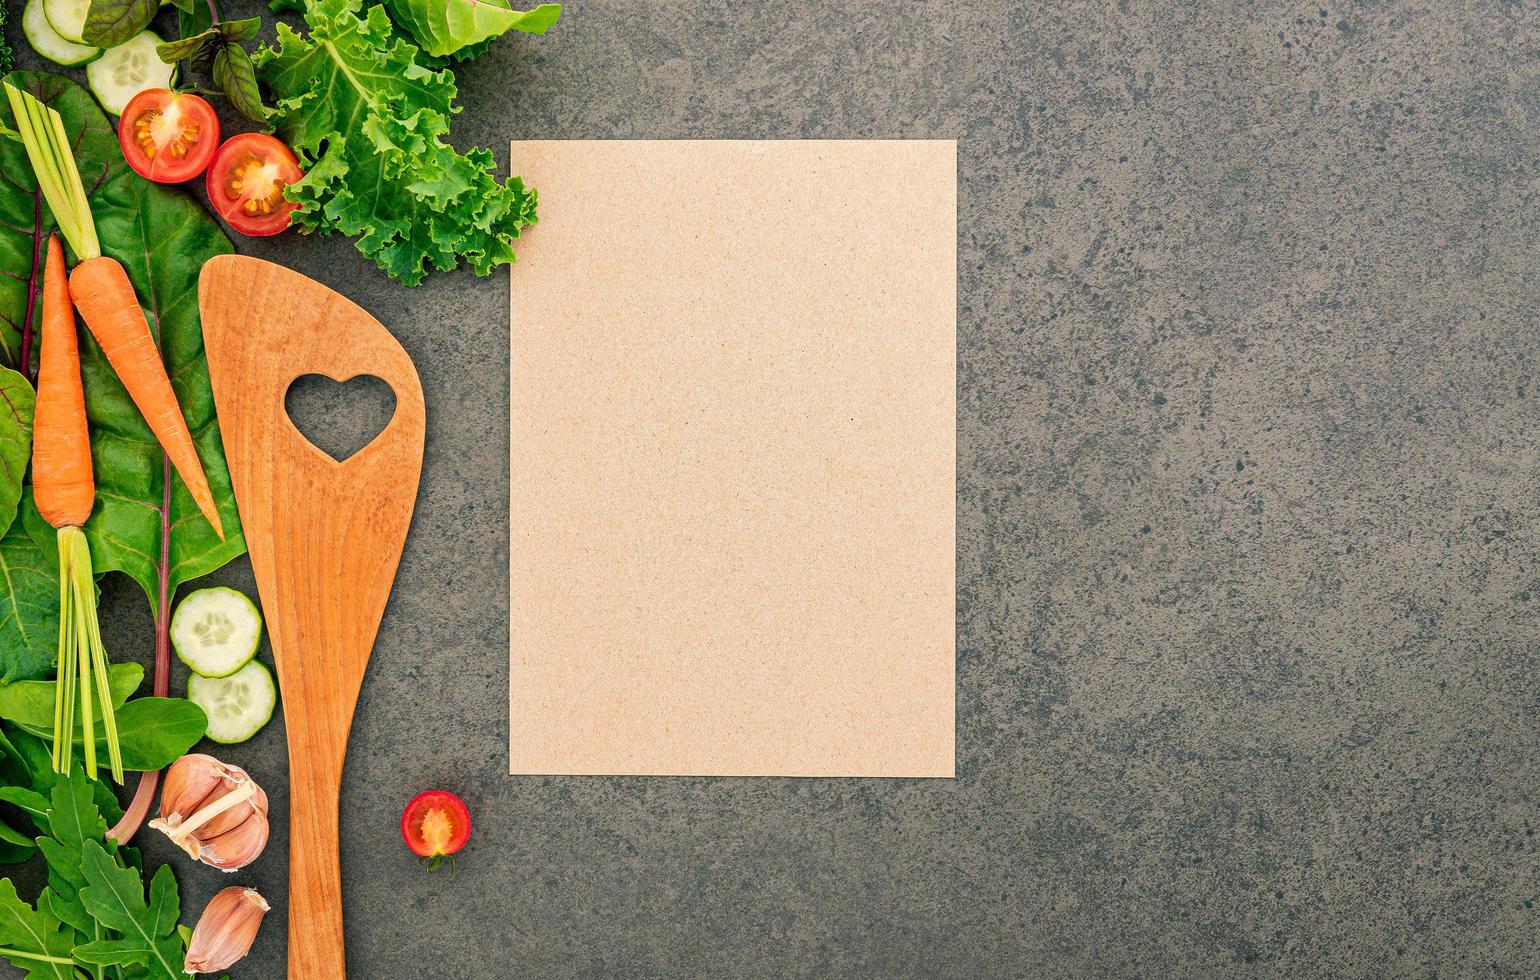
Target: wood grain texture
325 539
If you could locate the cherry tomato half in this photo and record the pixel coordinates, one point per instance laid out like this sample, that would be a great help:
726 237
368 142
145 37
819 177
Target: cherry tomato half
246 183
435 825
167 136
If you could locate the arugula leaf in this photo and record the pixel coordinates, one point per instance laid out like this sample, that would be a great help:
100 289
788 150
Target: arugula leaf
445 27
111 22
162 237
32 702
370 125
115 898
73 821
29 607
34 930
16 402
153 732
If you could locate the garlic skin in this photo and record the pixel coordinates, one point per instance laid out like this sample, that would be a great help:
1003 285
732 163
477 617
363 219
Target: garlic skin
225 931
215 812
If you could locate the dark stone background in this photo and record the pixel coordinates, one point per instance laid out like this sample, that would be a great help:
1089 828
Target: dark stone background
1249 480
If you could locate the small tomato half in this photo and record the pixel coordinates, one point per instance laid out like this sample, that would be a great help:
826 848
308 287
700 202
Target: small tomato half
246 183
167 136
435 825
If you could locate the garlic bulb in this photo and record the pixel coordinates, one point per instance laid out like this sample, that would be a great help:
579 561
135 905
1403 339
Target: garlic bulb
214 812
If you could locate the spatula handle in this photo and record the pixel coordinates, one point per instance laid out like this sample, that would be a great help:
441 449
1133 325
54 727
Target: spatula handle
315 880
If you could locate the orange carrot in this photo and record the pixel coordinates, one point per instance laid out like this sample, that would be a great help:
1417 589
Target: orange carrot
107 303
63 483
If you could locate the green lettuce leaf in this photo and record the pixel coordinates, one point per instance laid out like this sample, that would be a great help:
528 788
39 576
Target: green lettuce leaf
445 27
29 607
162 237
370 125
16 402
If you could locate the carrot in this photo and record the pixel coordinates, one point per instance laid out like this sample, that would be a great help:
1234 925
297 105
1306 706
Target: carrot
106 301
64 488
63 483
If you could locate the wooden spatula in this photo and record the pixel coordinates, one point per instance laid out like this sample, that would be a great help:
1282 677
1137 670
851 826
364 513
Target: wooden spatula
325 540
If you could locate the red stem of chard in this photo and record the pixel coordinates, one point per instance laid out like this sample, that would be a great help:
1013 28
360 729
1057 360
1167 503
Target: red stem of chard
144 794
37 273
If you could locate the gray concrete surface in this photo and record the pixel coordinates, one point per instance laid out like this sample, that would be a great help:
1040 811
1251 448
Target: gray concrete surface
1249 610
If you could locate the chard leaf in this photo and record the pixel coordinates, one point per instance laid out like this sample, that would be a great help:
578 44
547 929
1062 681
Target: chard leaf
34 930
29 607
16 403
370 124
445 27
162 237
237 31
32 702
111 22
115 898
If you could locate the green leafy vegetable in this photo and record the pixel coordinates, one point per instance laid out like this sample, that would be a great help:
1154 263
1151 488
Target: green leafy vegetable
16 401
115 898
446 27
29 607
370 125
32 702
94 910
153 732
34 939
217 46
111 22
162 237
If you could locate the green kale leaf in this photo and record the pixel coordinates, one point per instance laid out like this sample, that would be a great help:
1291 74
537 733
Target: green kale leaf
370 124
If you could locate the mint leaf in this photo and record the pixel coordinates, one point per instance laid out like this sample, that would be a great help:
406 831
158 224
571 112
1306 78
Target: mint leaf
34 930
445 27
370 124
115 898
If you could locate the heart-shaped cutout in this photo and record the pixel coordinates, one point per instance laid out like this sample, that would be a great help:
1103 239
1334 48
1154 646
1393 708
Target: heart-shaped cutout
339 417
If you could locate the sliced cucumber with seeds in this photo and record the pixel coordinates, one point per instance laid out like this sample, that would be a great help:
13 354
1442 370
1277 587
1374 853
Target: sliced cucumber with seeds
239 705
47 42
126 70
67 17
216 631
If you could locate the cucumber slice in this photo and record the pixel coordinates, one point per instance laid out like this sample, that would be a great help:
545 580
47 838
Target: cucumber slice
126 70
47 42
216 631
67 17
239 705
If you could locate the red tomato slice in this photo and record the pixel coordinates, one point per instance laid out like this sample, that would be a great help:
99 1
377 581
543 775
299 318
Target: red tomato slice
246 183
435 825
168 137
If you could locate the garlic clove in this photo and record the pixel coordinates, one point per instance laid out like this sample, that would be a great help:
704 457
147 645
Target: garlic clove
236 848
235 779
189 782
226 930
